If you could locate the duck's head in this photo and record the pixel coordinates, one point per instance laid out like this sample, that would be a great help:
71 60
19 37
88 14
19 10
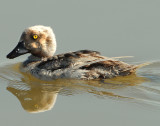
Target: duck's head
38 40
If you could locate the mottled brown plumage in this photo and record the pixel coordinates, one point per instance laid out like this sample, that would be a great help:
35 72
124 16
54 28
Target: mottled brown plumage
86 64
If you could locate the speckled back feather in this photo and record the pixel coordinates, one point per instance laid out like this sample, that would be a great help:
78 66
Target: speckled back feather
83 64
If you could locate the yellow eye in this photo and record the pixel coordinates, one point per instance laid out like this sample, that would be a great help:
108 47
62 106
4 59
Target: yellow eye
35 36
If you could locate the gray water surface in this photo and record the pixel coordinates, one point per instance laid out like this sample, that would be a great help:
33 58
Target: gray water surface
115 28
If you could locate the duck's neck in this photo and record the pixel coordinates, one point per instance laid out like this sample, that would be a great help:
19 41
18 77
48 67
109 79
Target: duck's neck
34 60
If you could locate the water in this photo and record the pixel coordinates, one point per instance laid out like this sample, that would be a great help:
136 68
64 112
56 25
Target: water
115 28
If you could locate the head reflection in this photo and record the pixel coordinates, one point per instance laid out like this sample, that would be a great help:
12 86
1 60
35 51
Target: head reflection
35 98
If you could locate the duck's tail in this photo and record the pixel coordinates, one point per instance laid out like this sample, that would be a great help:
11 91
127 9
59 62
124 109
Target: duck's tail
135 67
142 65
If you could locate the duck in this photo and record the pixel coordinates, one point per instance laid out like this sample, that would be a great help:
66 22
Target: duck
40 42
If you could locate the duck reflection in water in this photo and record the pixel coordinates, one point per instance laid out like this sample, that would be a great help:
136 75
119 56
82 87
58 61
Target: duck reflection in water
34 99
38 96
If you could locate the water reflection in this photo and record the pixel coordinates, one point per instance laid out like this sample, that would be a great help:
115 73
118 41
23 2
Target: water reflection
36 98
39 96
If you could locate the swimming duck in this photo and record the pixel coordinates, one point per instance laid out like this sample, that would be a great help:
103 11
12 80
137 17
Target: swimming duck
40 41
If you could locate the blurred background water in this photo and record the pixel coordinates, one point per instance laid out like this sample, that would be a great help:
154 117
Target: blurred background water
113 27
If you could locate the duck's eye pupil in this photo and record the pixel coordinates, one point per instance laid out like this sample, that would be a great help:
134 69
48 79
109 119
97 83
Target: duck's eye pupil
35 36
